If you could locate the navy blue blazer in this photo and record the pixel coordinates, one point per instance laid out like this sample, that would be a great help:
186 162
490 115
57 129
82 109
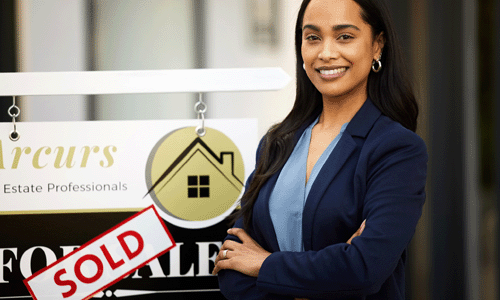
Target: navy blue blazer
376 172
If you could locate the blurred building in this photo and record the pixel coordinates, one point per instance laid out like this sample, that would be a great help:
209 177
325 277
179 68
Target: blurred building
452 47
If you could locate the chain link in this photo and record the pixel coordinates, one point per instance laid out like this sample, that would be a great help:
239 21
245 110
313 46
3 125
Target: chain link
14 112
200 108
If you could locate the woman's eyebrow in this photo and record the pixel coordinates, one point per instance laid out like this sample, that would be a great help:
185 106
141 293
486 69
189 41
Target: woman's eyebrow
345 26
335 28
315 28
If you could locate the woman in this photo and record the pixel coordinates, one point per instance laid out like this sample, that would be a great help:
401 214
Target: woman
348 147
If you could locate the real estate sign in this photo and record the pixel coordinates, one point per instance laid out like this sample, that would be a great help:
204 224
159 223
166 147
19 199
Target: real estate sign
64 183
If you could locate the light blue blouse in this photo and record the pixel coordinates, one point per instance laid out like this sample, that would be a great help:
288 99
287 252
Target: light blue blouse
289 195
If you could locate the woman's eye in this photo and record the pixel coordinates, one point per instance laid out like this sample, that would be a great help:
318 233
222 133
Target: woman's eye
312 38
345 37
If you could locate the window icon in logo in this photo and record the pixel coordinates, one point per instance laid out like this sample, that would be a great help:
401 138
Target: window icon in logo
198 186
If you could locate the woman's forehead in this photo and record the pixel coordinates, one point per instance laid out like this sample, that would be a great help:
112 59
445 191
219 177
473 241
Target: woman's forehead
332 12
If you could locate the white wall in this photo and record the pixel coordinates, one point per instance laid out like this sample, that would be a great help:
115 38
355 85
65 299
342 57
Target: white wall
229 46
144 35
52 37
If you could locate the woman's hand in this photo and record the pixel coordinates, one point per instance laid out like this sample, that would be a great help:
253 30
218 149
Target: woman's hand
246 257
357 233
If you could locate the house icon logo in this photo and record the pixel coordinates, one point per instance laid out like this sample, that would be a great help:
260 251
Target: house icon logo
194 181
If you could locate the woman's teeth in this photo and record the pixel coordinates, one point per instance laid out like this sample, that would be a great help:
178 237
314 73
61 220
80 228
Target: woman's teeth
332 72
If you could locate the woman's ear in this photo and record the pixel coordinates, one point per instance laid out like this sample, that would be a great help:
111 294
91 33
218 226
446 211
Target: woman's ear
378 45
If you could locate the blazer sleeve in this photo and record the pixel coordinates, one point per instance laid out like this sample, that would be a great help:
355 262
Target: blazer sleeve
235 285
393 177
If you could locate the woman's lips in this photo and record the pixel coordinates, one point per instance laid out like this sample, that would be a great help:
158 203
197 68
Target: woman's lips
332 73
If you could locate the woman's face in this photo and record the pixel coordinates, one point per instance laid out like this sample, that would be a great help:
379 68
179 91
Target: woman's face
338 48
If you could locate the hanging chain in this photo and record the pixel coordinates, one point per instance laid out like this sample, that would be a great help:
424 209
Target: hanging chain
14 112
200 108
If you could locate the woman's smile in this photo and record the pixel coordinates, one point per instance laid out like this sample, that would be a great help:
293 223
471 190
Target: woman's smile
329 73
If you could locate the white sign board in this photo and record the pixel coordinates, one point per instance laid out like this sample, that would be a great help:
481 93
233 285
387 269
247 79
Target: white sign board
98 165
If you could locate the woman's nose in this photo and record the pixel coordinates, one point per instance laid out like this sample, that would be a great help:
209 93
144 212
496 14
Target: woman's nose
329 51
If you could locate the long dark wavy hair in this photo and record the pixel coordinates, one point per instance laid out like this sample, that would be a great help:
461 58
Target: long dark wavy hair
390 90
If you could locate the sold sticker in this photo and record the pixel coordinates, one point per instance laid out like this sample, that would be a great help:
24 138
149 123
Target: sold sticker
104 260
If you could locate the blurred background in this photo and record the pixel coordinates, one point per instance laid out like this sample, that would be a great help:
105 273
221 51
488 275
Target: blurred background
451 46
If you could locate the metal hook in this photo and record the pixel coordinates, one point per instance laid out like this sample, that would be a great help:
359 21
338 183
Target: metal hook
14 135
200 130
200 107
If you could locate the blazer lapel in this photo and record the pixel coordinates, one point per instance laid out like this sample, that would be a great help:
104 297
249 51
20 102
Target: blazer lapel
334 163
360 126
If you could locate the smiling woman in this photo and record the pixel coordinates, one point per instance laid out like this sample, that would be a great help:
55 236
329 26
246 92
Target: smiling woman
339 184
338 48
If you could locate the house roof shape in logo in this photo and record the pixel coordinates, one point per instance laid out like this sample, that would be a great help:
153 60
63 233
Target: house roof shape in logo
198 158
185 156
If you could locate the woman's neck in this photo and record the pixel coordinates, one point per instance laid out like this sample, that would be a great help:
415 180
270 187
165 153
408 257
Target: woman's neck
337 111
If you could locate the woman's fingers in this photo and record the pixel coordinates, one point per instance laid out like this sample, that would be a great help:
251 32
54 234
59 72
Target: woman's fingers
350 239
231 245
220 265
358 232
362 227
246 257
224 261
223 254
241 234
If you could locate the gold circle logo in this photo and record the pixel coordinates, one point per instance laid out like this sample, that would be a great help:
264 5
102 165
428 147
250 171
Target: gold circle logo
195 181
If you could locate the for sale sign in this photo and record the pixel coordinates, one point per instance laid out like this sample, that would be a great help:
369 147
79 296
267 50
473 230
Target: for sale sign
105 260
64 183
